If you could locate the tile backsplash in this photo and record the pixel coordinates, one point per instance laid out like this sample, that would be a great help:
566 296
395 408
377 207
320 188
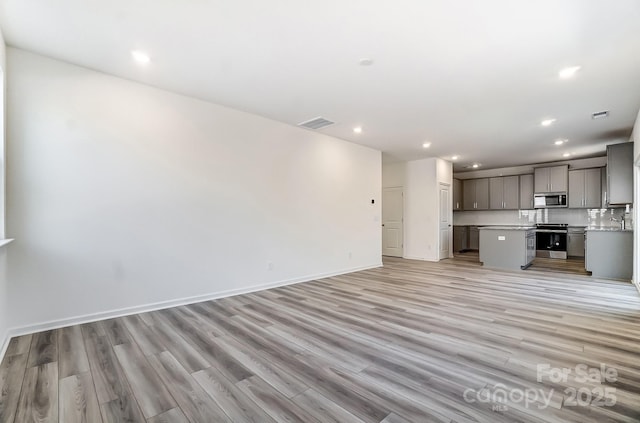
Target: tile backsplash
574 217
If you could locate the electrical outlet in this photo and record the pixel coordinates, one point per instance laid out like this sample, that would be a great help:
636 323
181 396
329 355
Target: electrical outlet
269 265
350 255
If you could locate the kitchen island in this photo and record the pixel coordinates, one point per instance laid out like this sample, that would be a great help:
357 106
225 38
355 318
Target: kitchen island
507 247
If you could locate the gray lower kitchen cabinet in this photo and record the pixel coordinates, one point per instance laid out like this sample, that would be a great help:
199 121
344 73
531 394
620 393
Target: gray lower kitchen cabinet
575 242
620 173
504 193
526 192
460 238
474 238
507 247
475 194
609 253
457 195
585 188
551 179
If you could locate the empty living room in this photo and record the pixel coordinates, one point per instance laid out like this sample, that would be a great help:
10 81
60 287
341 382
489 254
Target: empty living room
279 211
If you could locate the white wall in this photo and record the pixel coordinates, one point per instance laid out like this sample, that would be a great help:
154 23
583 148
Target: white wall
3 282
3 49
444 172
419 211
4 303
3 66
394 174
121 195
635 136
421 216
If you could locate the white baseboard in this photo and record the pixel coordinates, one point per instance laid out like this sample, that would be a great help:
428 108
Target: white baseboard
412 257
5 344
419 258
88 318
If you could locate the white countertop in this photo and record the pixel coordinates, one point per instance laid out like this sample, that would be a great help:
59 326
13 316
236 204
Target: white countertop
606 229
507 228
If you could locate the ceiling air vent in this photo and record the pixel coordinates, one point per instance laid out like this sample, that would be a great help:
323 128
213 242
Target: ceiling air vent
600 115
316 123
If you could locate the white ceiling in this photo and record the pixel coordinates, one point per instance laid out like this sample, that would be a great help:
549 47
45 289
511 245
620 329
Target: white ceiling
474 78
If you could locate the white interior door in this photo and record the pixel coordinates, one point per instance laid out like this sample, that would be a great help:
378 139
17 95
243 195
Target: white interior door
446 229
392 216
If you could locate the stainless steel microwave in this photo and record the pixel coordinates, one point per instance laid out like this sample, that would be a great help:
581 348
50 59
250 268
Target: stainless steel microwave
545 201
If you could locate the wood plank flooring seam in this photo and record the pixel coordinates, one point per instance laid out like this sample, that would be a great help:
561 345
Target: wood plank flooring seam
24 373
131 396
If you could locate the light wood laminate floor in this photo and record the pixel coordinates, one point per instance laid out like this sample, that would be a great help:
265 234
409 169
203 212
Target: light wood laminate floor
410 342
572 265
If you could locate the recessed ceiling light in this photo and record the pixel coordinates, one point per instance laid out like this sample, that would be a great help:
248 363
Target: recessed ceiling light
547 122
566 155
568 72
357 129
365 62
475 165
559 142
426 145
140 57
455 157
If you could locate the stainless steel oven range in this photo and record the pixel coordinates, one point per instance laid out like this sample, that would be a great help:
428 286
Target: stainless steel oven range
551 240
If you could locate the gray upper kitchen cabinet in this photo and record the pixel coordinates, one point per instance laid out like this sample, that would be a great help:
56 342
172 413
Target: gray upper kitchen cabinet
603 185
503 192
496 188
593 188
526 192
469 194
475 194
551 179
457 194
584 188
482 194
620 173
